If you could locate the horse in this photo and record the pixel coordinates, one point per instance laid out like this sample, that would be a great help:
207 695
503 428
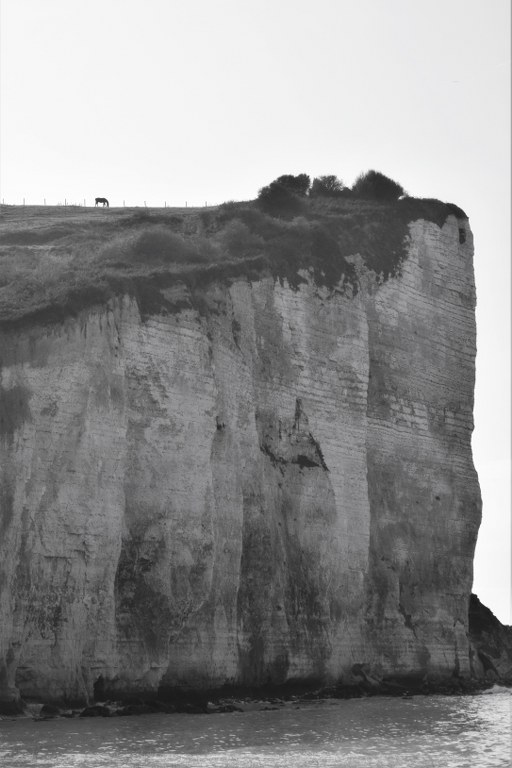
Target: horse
102 200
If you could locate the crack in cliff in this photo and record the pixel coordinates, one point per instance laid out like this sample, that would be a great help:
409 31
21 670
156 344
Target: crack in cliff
274 459
407 618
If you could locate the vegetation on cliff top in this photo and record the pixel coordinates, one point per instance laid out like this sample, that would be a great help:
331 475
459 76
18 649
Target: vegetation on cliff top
55 262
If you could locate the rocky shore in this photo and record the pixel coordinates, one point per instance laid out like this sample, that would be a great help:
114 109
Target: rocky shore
491 654
272 698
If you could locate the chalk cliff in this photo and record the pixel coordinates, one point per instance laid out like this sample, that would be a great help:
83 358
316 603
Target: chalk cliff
491 644
277 487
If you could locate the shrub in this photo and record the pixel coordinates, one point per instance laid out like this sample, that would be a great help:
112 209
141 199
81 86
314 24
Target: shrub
279 200
373 185
299 185
282 197
326 186
203 249
154 245
430 209
159 244
237 240
258 222
230 208
115 251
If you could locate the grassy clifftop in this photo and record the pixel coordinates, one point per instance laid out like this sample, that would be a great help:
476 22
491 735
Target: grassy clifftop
56 261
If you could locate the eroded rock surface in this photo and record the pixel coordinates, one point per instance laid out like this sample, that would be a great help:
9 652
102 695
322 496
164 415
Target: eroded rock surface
491 644
278 488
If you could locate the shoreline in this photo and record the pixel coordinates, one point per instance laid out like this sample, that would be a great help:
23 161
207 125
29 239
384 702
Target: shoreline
248 700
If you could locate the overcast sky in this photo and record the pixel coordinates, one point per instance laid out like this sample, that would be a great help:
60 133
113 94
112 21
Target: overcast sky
201 101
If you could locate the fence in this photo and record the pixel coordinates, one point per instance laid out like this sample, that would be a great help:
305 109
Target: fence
83 204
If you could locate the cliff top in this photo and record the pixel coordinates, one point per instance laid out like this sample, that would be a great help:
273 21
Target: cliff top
56 261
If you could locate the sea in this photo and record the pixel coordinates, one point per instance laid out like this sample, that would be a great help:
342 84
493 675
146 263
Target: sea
415 732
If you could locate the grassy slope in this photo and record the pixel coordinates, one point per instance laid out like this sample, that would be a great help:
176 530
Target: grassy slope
55 261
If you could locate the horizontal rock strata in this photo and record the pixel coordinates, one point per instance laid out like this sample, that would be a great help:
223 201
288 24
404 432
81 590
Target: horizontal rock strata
277 488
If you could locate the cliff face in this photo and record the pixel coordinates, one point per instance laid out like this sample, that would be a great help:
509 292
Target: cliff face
278 488
491 644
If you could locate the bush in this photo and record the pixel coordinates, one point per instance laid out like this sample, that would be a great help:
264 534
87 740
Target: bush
327 186
299 185
237 240
156 245
282 197
373 185
159 244
279 200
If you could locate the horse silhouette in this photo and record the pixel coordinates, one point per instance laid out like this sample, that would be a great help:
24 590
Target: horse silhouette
102 200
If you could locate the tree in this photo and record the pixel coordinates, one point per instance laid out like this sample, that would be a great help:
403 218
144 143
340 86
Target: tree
327 186
297 184
283 196
373 185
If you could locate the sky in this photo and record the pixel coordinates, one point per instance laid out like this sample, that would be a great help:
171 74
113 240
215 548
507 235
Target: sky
194 101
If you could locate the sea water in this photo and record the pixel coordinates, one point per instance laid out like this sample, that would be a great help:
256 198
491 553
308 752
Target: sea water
433 731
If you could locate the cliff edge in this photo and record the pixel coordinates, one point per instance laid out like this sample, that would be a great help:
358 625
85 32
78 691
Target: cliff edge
248 474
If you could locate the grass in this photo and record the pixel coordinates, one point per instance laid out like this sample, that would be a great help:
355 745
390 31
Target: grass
54 262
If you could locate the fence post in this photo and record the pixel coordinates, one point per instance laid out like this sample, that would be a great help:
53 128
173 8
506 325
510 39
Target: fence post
23 201
44 200
123 203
